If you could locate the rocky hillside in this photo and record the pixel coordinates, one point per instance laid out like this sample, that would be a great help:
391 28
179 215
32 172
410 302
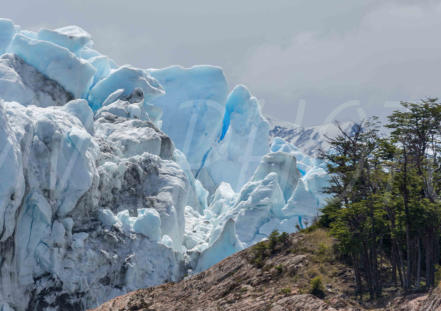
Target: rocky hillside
297 272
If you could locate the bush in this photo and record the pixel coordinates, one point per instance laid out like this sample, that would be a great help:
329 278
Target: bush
273 239
259 254
323 252
284 238
279 269
276 239
437 275
285 291
317 289
264 249
329 214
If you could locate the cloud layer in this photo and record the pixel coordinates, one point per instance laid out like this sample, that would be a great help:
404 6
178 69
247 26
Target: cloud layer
392 54
341 61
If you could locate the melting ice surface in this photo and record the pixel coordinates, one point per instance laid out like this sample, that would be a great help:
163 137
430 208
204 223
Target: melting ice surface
114 178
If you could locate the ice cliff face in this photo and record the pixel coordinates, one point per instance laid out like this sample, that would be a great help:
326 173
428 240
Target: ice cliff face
114 178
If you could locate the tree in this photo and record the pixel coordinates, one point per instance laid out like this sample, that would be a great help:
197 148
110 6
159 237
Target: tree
386 196
417 137
352 163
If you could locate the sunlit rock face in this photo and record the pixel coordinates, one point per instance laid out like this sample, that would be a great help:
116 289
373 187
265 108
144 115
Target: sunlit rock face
114 178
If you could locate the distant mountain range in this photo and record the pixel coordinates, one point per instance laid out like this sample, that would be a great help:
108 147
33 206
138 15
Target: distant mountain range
308 139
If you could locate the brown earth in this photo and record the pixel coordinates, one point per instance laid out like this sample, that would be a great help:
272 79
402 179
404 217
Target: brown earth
272 276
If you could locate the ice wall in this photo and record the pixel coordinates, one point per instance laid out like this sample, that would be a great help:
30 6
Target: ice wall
242 142
193 107
114 178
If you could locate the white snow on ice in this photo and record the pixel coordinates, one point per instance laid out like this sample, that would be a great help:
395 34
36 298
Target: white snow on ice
114 178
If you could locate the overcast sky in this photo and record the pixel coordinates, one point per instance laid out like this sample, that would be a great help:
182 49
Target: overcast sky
308 61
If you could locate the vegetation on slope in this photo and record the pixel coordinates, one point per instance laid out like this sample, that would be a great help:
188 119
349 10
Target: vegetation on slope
301 271
386 210
293 272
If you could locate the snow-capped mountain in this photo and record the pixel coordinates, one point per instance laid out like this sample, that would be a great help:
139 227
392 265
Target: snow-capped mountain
311 140
114 178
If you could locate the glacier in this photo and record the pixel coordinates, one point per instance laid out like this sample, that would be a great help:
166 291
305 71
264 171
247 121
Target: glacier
55 62
114 178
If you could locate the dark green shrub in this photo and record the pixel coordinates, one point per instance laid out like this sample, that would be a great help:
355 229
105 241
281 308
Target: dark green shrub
285 291
259 253
284 238
317 289
437 275
273 239
264 249
279 269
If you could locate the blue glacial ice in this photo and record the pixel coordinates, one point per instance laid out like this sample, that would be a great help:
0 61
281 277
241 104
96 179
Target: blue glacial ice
7 32
147 222
72 38
56 62
193 107
23 83
114 178
128 79
242 141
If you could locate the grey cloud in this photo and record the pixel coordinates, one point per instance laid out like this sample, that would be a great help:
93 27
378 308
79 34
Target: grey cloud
324 52
393 54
